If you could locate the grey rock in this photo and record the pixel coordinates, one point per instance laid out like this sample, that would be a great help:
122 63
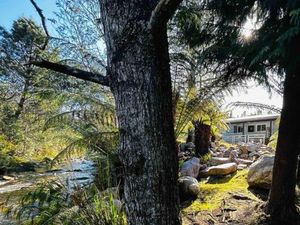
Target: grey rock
260 172
188 187
190 167
189 146
226 154
219 160
223 169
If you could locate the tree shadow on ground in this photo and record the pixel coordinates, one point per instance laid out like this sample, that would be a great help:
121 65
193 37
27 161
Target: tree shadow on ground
260 193
220 179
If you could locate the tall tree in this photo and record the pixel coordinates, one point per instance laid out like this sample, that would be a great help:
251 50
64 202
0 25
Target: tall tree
21 82
138 74
29 95
272 49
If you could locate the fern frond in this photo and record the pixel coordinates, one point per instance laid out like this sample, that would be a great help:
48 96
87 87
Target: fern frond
255 106
95 141
295 17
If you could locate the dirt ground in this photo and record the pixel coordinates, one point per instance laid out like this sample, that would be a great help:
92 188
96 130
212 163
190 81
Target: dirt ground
235 209
226 200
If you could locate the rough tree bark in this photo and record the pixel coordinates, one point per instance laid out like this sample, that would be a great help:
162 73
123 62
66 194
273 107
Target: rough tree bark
202 138
138 73
138 62
281 203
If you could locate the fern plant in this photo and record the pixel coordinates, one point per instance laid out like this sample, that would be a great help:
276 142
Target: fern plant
51 203
193 106
94 125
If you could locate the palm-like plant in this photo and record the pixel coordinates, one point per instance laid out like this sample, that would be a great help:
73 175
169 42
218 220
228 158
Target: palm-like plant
193 107
94 124
255 105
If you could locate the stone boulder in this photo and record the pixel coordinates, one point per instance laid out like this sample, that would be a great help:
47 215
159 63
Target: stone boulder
188 187
203 173
242 166
254 155
226 154
244 161
190 167
260 172
189 147
219 160
8 178
235 153
243 149
244 156
252 147
223 169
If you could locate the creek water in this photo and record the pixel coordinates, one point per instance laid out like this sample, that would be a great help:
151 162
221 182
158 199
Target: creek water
75 173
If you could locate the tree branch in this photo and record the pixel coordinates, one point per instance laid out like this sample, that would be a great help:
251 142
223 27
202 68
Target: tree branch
43 18
71 71
162 13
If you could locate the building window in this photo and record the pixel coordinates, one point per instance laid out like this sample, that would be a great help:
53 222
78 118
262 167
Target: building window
238 129
251 128
261 127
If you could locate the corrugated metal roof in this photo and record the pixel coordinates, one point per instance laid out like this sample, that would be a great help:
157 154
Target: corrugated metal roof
253 118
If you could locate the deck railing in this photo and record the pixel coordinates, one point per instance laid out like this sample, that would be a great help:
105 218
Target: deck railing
236 138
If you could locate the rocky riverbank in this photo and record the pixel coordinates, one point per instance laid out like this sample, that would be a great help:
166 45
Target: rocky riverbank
73 174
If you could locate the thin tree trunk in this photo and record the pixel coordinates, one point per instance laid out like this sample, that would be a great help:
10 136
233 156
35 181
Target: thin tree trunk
202 138
140 80
281 202
22 100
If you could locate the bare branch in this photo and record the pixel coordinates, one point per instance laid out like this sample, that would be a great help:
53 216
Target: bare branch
43 18
162 13
71 71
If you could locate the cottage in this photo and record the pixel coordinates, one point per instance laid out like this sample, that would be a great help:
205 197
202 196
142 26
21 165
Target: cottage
258 128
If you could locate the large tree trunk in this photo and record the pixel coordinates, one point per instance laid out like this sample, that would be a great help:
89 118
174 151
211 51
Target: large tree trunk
140 80
281 202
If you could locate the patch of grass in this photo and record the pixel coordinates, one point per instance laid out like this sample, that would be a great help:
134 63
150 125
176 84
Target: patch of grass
206 158
212 192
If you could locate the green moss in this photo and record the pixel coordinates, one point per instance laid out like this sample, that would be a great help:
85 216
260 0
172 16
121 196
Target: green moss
205 158
212 193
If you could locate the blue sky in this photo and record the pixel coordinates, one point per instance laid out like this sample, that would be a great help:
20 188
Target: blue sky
11 10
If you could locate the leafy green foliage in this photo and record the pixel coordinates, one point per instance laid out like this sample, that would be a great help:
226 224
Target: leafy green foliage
93 124
52 203
259 106
80 34
7 150
266 53
30 96
192 107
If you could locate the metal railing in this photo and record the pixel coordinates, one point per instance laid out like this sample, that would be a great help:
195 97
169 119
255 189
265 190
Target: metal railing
236 138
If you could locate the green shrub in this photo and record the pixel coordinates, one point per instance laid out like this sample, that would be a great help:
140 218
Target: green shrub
7 153
51 203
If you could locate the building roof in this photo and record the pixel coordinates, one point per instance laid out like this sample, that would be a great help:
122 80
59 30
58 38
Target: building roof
253 118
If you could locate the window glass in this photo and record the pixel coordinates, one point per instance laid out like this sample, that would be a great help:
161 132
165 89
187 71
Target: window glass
251 128
261 127
240 129
258 127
